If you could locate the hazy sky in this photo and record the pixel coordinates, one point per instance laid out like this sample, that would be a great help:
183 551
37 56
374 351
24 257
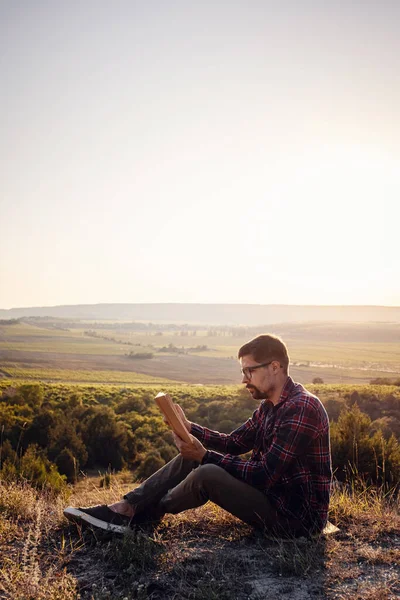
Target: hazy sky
213 151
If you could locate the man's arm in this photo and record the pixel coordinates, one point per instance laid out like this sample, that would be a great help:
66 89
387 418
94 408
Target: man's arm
300 424
238 442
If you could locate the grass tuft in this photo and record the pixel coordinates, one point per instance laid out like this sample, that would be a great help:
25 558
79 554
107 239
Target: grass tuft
135 553
372 510
26 578
299 557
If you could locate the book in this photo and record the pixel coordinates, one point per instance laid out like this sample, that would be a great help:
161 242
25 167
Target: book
173 418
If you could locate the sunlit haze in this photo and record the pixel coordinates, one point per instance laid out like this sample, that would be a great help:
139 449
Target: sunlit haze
240 152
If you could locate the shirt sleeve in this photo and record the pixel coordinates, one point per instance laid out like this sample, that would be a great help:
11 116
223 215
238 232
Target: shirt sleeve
238 442
300 424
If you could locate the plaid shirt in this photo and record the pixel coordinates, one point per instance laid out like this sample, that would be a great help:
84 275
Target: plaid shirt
291 459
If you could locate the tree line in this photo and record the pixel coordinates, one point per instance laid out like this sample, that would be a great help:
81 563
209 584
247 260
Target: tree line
50 433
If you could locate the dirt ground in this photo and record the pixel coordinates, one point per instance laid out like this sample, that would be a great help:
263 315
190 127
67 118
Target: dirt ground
201 554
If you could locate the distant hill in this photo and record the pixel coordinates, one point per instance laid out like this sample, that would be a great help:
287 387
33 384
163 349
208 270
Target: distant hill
218 314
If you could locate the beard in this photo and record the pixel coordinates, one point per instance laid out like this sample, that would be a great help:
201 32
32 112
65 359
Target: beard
256 392
259 394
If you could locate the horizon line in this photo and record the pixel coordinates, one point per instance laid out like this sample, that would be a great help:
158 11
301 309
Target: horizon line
389 306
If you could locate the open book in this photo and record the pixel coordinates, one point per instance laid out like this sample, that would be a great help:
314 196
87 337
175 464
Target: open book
172 416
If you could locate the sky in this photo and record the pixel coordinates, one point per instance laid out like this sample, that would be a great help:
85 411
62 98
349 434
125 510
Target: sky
214 151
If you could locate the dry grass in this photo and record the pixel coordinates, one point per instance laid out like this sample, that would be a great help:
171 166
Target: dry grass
88 491
365 511
379 555
203 554
387 590
18 501
23 574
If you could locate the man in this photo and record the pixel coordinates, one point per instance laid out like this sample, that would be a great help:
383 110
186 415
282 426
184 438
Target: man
284 487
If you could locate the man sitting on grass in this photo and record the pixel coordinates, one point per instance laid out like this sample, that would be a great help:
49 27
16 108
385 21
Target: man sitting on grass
283 488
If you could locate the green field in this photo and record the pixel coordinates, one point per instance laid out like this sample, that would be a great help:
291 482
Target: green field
25 337
36 350
82 376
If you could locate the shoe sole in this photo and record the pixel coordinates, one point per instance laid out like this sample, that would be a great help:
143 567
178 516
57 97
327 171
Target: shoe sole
77 516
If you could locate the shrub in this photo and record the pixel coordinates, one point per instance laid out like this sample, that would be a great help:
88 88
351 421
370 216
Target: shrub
150 465
35 468
109 442
32 393
356 447
350 442
142 355
68 465
333 408
384 381
39 471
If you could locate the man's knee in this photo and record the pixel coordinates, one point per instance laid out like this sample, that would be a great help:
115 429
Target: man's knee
207 473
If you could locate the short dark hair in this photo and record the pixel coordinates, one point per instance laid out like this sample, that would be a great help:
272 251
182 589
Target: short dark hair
266 347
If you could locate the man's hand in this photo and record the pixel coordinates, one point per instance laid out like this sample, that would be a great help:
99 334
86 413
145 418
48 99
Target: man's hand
193 451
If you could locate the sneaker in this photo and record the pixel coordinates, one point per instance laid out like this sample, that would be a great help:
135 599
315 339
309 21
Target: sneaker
99 516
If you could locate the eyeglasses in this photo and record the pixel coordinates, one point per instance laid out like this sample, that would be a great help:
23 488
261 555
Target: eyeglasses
247 371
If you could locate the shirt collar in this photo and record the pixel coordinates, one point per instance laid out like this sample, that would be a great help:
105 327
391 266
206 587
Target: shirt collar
286 391
285 394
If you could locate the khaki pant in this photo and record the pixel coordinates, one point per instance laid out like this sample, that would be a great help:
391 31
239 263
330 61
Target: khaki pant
182 484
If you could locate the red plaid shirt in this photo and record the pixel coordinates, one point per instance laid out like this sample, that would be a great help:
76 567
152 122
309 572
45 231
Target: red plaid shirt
291 459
